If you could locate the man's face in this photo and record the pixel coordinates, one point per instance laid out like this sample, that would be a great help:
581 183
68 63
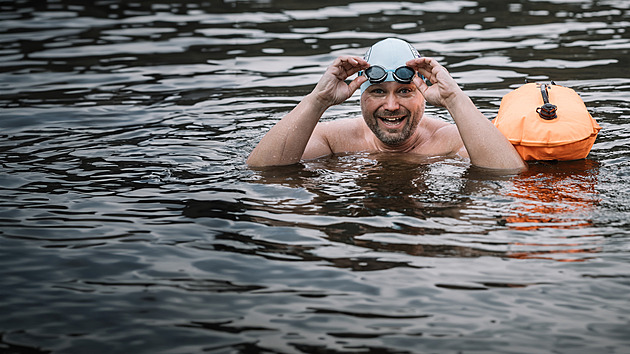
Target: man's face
392 110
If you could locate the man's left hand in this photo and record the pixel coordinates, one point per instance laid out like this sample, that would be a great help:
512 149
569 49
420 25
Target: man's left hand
443 87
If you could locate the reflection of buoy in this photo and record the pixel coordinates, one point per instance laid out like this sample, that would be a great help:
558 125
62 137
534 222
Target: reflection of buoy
547 122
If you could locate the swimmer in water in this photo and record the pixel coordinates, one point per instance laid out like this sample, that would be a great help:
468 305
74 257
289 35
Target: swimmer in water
393 96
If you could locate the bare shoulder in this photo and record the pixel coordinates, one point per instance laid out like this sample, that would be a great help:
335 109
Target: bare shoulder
433 124
343 135
347 125
434 128
444 137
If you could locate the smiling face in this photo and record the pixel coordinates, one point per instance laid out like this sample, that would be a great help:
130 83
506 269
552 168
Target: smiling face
392 111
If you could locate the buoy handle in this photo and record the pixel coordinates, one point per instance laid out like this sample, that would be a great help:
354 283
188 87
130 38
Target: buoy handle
547 111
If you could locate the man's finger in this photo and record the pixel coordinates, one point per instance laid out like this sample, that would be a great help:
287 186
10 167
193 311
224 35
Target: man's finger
350 65
420 84
356 83
424 66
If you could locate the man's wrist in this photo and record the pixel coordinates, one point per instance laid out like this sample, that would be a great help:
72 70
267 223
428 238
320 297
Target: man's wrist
456 98
317 102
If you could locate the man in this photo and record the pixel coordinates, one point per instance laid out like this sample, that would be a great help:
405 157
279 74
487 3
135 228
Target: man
392 103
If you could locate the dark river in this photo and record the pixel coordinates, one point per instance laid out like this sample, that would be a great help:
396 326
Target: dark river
130 223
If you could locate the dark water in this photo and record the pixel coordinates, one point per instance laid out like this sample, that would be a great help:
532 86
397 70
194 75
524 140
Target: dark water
129 222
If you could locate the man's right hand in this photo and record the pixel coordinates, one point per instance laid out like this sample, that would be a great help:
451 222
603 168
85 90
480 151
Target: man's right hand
286 141
332 88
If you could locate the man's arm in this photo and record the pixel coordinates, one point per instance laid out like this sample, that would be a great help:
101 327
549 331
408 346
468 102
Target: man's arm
485 144
286 142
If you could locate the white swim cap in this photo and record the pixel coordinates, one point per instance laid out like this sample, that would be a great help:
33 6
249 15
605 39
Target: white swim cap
389 53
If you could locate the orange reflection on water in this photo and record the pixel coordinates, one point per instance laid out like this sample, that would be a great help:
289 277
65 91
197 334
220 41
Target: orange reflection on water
546 254
557 196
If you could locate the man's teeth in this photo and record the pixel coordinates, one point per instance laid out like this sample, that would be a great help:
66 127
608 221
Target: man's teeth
392 120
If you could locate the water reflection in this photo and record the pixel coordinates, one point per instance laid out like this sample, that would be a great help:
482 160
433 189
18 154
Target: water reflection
404 204
561 195
376 184
383 203
556 196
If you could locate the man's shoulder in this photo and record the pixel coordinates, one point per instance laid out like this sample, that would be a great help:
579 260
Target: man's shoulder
444 136
343 135
435 123
342 126
437 127
343 122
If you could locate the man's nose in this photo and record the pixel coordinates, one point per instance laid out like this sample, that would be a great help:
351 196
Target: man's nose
391 102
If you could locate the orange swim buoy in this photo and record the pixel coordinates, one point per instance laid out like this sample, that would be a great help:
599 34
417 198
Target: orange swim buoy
547 122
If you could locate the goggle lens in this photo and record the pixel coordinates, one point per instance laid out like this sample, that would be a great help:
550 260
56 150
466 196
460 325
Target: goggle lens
378 74
404 74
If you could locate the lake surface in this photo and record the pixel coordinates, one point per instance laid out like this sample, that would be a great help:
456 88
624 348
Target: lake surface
130 223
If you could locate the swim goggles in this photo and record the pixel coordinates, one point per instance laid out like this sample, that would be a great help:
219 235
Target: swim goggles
377 74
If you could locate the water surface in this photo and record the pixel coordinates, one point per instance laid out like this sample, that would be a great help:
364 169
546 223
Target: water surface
129 221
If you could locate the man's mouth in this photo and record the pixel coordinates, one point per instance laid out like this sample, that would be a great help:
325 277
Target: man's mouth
392 121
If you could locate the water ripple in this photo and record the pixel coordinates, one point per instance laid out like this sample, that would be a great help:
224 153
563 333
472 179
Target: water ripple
129 220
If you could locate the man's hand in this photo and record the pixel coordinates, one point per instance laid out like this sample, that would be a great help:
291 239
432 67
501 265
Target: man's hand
286 142
332 88
443 87
485 145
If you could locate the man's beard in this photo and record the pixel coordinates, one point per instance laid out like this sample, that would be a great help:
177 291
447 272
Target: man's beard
393 139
